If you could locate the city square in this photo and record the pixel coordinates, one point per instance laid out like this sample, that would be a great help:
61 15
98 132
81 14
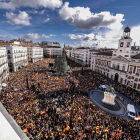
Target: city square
50 112
69 70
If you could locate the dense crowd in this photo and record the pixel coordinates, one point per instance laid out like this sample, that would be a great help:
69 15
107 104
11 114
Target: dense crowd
47 111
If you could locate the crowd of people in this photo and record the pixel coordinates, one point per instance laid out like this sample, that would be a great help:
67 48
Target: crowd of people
47 111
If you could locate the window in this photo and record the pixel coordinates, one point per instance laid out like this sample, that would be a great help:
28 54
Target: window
123 68
9 57
109 64
121 80
8 51
136 79
112 77
128 44
129 77
128 82
130 70
138 72
135 85
113 65
121 45
118 67
102 63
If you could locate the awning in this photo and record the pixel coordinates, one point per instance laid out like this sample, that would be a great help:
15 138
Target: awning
20 67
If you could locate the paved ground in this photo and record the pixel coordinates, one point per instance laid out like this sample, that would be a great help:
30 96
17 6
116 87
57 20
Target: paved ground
96 98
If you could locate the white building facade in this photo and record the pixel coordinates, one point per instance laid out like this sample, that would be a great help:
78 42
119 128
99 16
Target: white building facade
51 49
122 65
52 52
81 55
17 56
35 54
4 69
68 53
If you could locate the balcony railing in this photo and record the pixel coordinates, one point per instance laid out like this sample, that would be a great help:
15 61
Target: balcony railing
3 64
117 69
3 56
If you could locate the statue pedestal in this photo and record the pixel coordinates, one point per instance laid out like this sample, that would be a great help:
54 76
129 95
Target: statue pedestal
109 98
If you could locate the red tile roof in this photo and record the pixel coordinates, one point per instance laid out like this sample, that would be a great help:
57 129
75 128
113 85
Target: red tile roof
3 43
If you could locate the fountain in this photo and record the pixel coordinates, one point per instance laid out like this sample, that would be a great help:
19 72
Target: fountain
109 95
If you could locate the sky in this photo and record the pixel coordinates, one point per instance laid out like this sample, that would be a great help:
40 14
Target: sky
73 22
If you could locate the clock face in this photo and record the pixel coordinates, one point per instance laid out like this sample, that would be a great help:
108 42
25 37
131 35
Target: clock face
121 44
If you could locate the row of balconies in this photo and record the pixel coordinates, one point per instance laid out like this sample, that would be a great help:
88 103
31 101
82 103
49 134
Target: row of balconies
3 56
3 64
117 69
1 75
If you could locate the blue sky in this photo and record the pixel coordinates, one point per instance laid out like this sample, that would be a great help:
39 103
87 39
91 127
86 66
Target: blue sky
76 23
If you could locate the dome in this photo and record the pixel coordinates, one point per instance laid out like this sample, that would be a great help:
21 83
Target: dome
127 29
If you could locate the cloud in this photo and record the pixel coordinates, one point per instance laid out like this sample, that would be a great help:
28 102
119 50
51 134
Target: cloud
45 36
42 12
32 36
73 36
94 39
3 36
84 37
36 12
47 20
21 19
12 4
82 17
135 34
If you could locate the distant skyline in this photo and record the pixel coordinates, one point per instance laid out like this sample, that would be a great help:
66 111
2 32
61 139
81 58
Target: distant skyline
74 23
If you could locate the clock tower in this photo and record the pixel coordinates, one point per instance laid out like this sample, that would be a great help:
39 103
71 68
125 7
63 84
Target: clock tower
124 46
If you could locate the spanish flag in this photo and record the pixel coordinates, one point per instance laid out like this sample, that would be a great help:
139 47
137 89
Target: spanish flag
25 105
83 135
67 128
25 130
106 130
43 112
39 134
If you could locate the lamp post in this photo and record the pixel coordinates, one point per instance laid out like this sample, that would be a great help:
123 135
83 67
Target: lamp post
27 79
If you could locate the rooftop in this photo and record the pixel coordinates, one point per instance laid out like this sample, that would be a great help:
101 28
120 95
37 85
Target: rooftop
83 48
136 56
105 53
3 43
52 47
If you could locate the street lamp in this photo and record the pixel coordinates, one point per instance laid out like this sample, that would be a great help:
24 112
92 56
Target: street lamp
27 79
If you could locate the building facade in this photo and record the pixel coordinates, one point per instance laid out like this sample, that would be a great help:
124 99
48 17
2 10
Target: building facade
4 69
52 52
122 65
17 56
35 53
51 49
81 55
